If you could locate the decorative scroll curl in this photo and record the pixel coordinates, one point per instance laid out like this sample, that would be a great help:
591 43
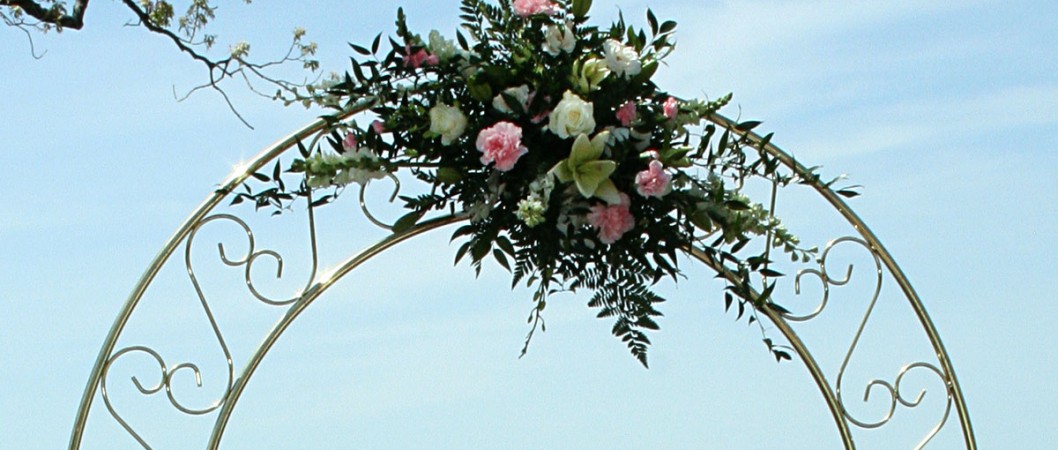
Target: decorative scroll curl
109 355
167 373
896 395
392 197
164 382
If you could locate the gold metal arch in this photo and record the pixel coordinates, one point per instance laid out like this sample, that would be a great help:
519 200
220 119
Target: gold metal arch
319 283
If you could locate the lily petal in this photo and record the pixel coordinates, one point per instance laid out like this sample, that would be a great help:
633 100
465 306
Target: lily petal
608 192
598 143
589 175
562 171
583 151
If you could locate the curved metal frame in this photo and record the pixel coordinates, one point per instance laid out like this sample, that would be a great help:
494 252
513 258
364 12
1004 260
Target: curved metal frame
319 283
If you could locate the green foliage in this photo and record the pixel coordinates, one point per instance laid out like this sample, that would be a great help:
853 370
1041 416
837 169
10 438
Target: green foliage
551 226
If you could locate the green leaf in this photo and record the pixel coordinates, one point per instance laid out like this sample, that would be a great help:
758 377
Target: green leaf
480 90
462 251
581 8
480 248
747 125
501 258
647 72
506 245
721 148
766 295
407 221
462 41
765 141
648 323
653 21
771 273
701 220
513 103
357 71
667 27
448 175
462 231
361 50
736 205
375 43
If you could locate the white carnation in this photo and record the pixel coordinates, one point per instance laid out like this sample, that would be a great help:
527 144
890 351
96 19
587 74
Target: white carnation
447 121
621 59
559 39
443 48
364 161
520 93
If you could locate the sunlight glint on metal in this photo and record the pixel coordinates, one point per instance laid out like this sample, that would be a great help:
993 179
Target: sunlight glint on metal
319 282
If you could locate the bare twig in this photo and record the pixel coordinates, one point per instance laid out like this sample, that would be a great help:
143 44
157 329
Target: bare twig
185 35
23 26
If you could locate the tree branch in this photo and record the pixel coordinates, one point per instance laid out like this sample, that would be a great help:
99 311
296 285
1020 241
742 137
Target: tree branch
55 14
156 16
145 20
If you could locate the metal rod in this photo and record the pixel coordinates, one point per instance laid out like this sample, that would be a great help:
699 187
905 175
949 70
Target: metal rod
890 263
317 286
311 294
836 410
232 182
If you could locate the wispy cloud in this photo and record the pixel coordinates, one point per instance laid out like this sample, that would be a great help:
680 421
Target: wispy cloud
930 122
841 79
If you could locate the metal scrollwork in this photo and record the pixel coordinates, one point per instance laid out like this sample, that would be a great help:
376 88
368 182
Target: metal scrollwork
896 396
135 381
167 373
392 197
222 407
252 256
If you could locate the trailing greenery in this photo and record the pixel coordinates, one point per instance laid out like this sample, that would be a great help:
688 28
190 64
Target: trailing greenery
576 171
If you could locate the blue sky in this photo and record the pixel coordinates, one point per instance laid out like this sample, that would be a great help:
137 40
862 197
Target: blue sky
946 113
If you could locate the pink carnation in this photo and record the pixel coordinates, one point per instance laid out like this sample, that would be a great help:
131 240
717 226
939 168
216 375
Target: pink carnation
612 221
654 181
502 144
671 108
419 58
526 8
627 113
349 143
378 126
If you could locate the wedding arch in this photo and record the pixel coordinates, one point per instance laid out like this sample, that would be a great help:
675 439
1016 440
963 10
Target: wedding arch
426 126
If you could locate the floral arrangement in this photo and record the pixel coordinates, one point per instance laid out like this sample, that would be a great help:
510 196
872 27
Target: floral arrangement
576 171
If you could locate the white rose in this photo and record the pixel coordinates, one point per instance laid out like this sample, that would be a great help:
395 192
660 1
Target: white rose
559 39
447 121
444 49
621 59
572 117
520 93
